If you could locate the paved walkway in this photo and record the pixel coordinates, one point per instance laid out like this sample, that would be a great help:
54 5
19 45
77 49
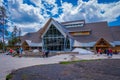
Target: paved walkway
9 63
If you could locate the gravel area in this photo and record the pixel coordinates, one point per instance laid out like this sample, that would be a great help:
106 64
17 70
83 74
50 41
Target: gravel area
107 69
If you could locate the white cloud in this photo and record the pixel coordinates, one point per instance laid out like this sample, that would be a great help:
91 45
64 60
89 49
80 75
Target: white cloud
25 16
1 2
55 10
91 11
33 17
37 2
67 7
52 2
29 27
111 11
29 17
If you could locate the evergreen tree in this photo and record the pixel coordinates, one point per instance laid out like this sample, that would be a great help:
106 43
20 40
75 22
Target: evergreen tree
3 30
15 36
19 34
1 44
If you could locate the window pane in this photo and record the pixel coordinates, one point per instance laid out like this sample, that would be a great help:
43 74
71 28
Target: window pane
53 40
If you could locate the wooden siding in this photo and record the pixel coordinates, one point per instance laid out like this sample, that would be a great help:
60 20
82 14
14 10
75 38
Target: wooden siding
116 48
25 46
80 33
101 44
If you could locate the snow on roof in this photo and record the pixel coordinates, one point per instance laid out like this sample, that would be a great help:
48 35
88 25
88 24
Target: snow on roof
117 42
28 41
35 44
31 44
112 43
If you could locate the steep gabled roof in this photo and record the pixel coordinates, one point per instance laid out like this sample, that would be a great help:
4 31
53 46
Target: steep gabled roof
57 25
85 38
34 36
31 44
45 26
115 32
104 42
98 30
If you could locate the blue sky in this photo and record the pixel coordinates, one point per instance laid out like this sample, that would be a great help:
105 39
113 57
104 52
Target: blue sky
31 15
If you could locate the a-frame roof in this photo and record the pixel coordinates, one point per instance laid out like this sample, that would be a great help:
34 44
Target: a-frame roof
104 42
60 27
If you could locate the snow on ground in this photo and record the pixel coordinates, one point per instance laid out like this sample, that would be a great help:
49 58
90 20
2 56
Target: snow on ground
35 51
82 51
9 63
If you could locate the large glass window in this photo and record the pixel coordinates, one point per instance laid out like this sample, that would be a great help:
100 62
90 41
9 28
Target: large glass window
67 43
53 32
53 40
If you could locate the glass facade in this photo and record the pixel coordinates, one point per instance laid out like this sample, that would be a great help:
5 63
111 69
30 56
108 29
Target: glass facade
67 43
53 40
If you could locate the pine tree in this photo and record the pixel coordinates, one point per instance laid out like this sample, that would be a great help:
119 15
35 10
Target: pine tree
15 36
3 16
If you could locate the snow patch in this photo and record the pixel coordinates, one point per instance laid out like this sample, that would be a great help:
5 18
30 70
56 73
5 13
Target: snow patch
82 51
35 51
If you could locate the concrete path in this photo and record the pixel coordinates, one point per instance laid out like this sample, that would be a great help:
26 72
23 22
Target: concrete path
9 63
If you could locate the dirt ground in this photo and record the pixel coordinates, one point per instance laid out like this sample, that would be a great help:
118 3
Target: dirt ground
107 69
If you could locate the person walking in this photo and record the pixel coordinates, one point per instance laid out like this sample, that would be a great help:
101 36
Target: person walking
110 53
20 52
46 53
107 52
16 52
99 51
10 52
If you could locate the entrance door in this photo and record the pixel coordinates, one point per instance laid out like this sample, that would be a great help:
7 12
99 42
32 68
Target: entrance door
102 44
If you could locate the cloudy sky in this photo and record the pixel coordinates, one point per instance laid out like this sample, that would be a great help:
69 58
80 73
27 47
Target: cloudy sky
31 15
